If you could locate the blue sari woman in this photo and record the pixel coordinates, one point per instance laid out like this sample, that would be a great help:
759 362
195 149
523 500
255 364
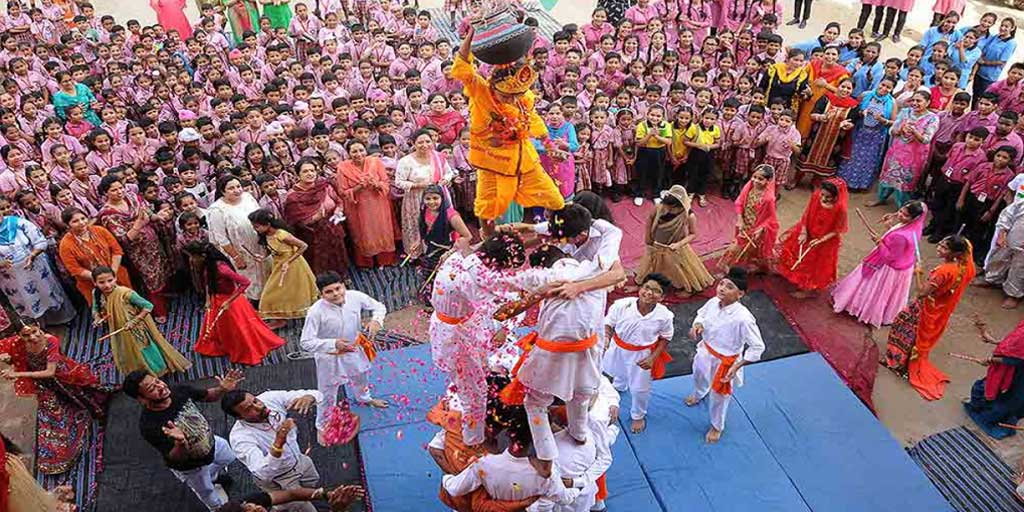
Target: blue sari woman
72 93
878 109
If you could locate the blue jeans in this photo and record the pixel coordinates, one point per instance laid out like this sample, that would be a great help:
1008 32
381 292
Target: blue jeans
200 480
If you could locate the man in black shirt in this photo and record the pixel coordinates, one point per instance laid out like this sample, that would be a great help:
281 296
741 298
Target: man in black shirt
172 422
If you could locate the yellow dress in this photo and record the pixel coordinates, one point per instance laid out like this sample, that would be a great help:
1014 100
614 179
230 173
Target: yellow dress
288 297
508 166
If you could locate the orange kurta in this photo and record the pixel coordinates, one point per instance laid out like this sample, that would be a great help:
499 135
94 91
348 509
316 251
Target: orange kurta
508 166
364 191
950 281
79 256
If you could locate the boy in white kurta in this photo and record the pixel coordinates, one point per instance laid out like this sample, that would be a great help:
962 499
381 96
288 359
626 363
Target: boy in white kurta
638 330
581 465
333 333
731 339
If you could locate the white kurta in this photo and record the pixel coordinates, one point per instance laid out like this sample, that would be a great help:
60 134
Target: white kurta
326 323
622 365
509 478
602 245
729 331
229 225
583 463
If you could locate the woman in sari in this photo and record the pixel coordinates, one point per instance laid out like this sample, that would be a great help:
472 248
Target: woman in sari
907 156
314 211
833 115
809 252
671 228
363 184
19 490
86 246
143 235
231 231
756 225
787 80
231 326
871 131
26 277
440 115
415 172
999 397
825 75
878 289
73 93
243 15
68 394
135 342
440 227
918 328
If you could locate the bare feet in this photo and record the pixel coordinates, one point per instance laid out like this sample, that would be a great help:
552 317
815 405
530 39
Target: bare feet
378 403
638 425
713 435
691 400
1011 303
872 204
160 319
800 294
276 324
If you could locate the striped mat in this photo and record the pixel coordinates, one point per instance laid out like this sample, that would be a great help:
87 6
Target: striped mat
395 287
546 25
966 472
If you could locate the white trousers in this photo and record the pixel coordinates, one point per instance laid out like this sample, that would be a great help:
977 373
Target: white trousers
537 404
626 375
358 387
303 474
704 367
200 480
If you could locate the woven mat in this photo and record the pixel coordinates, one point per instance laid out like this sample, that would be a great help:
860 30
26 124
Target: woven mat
967 473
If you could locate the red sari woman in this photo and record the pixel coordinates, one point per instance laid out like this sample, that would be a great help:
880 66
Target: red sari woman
440 115
833 117
68 393
756 225
314 211
918 328
825 75
363 184
809 252
231 326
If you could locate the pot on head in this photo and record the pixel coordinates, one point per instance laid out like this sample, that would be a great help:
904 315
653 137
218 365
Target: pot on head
499 37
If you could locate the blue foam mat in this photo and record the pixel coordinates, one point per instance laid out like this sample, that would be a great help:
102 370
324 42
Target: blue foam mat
408 379
836 453
628 488
400 474
688 475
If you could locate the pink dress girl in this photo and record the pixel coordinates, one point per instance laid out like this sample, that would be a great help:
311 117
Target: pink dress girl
603 149
171 15
562 169
697 17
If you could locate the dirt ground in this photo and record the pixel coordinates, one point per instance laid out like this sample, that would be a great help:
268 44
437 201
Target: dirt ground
899 407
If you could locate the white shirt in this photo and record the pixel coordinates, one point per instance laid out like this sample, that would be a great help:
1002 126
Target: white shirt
625 318
509 478
251 442
728 330
602 245
326 322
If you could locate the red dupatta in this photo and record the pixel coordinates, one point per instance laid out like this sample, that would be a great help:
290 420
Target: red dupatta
302 204
448 123
766 218
832 76
1000 376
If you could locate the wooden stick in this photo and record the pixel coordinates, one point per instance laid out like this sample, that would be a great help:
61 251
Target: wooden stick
216 318
800 257
966 357
866 223
1009 426
106 337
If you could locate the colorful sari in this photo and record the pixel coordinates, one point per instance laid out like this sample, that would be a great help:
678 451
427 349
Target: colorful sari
448 123
148 252
907 156
999 397
280 15
143 346
364 189
326 239
918 328
814 268
80 255
868 140
67 402
817 70
826 148
756 209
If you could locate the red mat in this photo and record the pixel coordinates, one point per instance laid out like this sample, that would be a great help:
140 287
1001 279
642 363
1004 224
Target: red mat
715 226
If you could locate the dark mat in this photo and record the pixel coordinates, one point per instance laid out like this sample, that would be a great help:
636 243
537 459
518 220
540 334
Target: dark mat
966 472
135 477
779 337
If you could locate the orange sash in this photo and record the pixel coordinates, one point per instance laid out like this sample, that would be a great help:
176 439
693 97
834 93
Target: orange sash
367 346
515 392
722 388
450 320
602 487
459 455
658 370
480 501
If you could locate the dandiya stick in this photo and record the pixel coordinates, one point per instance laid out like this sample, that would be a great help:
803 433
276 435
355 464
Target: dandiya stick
106 337
966 357
800 257
867 224
216 318
1009 426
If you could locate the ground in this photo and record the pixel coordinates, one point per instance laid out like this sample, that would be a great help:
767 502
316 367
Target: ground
898 406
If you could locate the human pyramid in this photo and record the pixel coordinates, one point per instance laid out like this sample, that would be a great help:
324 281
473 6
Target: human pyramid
256 155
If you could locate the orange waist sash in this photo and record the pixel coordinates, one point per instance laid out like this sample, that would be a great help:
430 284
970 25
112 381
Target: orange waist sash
515 392
722 388
451 320
658 369
367 346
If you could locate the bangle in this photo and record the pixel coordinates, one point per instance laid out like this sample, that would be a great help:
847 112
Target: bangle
276 451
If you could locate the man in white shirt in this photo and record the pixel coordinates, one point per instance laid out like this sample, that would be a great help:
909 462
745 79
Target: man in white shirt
731 339
264 439
581 465
343 354
605 411
638 330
